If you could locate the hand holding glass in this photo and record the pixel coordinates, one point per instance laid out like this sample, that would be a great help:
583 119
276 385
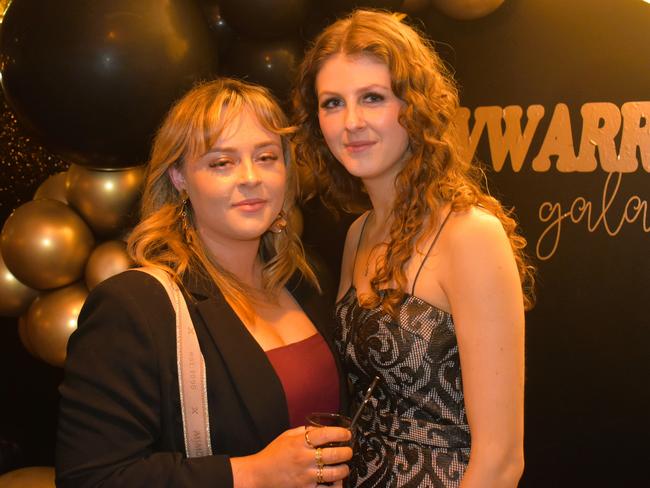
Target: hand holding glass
322 419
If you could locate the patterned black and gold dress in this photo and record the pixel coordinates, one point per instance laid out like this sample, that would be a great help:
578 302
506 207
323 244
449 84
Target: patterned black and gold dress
413 431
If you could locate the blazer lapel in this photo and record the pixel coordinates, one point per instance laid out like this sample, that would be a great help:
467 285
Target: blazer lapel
252 374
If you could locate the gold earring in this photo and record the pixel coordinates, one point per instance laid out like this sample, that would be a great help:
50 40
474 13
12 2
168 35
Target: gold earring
279 224
183 213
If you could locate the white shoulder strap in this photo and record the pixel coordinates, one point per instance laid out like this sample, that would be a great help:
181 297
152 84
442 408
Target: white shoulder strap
191 371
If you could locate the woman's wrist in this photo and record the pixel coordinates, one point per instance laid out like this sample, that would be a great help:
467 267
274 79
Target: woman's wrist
243 472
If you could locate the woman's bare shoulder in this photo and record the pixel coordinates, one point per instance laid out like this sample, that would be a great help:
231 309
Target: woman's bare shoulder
474 227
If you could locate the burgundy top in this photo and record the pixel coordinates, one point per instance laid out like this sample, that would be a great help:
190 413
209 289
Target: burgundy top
309 377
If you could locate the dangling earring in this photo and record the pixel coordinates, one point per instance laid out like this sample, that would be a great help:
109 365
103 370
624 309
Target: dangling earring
183 213
279 224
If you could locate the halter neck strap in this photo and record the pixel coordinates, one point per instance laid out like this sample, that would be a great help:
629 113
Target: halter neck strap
356 252
435 239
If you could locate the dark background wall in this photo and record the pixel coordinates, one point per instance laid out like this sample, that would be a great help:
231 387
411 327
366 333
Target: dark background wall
588 338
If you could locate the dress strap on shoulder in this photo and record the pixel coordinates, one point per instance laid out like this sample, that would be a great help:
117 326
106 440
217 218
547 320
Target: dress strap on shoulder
356 252
433 243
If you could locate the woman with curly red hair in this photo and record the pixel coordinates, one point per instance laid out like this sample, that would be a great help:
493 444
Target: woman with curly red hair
434 280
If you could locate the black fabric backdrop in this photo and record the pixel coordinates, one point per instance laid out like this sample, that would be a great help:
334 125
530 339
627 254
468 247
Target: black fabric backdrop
588 338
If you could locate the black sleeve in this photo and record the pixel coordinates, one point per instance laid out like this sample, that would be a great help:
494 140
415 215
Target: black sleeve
110 423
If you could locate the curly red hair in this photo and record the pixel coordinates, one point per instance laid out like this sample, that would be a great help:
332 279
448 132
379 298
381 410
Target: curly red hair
435 173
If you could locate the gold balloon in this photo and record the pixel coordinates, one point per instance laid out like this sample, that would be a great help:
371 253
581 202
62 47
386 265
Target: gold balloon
106 199
24 337
467 9
45 244
3 7
34 477
53 187
52 318
14 296
108 259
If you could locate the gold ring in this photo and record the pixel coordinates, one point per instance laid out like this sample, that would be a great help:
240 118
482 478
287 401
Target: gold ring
307 441
319 458
319 475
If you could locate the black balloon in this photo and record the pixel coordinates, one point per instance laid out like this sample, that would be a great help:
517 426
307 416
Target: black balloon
93 79
271 64
352 4
222 33
319 16
264 19
415 6
322 14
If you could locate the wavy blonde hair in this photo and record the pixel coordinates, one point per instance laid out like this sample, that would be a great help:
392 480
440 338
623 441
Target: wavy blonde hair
433 175
191 127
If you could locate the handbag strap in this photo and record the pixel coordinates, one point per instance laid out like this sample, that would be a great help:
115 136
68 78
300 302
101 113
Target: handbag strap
191 371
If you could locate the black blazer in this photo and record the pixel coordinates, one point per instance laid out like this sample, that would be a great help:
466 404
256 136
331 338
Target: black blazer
120 421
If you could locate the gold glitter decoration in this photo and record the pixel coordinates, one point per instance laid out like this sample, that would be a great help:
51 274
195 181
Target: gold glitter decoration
24 164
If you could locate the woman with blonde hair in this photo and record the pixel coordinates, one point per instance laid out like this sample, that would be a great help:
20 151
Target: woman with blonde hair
218 187
434 280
